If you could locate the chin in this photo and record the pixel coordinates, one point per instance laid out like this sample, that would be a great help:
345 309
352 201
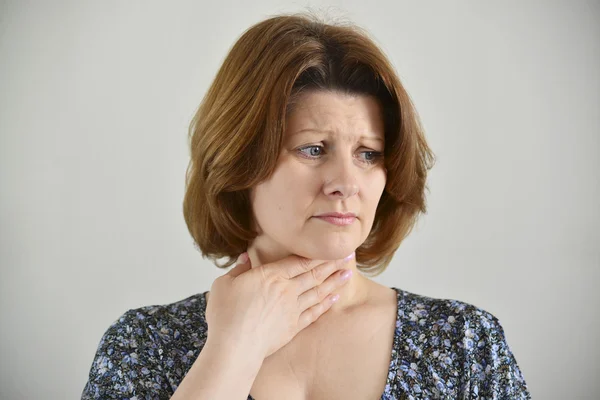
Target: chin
322 251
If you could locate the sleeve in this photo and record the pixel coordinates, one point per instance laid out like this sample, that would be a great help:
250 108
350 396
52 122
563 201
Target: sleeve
491 367
126 365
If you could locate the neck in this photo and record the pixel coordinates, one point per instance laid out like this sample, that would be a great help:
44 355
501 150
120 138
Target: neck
352 294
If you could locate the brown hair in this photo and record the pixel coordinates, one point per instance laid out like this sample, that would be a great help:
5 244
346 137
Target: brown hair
236 134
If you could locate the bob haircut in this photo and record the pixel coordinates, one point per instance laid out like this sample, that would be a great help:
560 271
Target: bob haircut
236 134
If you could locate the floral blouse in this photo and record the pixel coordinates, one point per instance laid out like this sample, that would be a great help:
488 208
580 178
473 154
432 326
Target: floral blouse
443 349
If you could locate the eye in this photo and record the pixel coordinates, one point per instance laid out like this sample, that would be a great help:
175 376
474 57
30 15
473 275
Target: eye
311 153
315 151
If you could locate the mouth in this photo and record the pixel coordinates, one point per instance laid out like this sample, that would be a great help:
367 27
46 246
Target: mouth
340 221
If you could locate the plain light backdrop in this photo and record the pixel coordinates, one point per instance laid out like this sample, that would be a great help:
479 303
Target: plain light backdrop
95 102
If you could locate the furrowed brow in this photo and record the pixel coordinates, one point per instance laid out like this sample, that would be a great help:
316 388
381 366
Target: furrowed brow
329 132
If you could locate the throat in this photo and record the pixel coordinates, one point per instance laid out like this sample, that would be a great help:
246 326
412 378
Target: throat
355 294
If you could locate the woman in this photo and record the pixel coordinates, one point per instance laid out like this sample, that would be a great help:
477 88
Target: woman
305 149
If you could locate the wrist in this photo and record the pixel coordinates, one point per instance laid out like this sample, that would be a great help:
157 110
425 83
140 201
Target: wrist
235 351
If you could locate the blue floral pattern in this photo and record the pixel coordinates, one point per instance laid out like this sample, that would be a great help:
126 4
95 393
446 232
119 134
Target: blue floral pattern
443 349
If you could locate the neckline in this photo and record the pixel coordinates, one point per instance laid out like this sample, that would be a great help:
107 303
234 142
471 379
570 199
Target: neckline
391 374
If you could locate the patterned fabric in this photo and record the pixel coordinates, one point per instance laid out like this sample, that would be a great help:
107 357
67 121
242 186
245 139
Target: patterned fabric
443 349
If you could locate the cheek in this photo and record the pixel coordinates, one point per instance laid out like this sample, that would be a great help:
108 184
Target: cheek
373 190
282 197
374 186
294 181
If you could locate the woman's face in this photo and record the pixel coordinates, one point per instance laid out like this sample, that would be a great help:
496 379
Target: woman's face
331 161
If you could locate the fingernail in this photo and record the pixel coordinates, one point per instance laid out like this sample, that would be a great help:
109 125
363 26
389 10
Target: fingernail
350 257
347 274
242 258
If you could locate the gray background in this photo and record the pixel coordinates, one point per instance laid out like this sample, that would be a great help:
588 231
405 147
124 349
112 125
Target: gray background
95 101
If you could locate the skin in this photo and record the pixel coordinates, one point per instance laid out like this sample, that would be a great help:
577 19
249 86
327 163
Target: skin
307 181
344 175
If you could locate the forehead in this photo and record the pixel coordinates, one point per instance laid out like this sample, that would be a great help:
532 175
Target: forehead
336 113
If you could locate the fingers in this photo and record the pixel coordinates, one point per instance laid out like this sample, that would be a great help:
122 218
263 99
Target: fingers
313 313
291 266
243 264
320 292
318 274
294 265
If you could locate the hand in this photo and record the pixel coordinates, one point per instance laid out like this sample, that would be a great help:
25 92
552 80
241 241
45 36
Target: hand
261 309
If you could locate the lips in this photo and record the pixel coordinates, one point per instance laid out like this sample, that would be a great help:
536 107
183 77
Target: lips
336 220
337 215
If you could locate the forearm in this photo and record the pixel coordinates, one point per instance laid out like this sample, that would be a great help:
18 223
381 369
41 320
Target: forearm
219 373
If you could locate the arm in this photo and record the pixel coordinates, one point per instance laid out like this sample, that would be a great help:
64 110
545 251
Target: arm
220 372
128 365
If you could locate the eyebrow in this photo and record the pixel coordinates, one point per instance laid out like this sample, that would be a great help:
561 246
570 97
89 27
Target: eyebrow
371 137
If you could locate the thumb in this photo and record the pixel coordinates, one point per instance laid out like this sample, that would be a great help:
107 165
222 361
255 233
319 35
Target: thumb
243 264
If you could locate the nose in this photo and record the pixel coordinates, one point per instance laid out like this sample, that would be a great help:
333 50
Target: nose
340 177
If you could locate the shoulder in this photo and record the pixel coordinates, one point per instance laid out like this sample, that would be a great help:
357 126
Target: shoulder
178 322
443 315
148 350
454 347
445 327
